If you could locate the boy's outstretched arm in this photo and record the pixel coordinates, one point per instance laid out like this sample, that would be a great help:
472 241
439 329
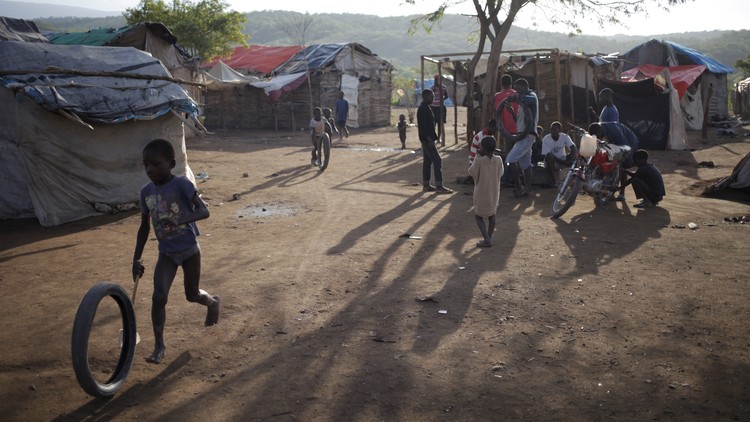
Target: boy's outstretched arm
140 243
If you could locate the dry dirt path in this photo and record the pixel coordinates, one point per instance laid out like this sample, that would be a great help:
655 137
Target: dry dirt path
328 314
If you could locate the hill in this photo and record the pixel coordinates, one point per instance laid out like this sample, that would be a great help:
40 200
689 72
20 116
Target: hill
388 36
23 10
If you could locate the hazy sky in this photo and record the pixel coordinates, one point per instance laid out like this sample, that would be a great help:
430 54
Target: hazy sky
696 15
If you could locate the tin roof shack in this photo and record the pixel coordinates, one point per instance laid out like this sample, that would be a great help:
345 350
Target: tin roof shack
282 99
73 122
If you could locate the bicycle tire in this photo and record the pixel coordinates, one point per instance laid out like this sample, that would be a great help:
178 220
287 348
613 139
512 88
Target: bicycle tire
324 151
80 340
513 137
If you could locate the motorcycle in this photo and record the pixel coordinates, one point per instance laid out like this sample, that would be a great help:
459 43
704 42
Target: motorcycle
596 172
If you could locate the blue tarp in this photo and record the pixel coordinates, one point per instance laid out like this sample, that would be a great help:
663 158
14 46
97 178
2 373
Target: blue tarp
97 99
667 53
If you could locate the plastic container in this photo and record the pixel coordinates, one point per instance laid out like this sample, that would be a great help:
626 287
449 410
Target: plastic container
588 145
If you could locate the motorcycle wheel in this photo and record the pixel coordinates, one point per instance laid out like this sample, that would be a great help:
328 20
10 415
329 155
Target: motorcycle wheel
566 195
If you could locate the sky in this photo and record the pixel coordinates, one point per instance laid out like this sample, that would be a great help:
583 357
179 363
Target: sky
696 15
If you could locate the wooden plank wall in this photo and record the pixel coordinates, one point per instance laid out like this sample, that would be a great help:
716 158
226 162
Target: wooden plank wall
246 107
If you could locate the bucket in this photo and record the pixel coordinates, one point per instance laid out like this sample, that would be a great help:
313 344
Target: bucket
588 145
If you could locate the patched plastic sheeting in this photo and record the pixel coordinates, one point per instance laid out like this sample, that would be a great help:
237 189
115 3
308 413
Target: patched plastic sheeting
69 168
103 99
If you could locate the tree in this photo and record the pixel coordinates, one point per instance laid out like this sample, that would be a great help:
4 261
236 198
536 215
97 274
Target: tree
296 27
744 66
203 27
496 17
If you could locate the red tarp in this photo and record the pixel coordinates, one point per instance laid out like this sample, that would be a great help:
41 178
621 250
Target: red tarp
682 76
258 58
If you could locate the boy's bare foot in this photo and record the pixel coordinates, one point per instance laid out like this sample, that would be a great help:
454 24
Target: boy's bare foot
484 244
212 315
156 356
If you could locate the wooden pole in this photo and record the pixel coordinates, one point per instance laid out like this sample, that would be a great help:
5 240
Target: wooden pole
558 85
570 89
455 109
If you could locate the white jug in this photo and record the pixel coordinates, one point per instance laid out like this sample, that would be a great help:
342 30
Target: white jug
588 145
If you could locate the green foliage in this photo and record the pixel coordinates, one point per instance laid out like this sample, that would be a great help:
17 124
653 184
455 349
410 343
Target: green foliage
204 26
744 66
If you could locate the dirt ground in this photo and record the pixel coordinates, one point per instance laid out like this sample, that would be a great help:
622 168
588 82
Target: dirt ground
330 314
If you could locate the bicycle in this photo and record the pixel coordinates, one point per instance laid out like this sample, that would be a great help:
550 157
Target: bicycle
323 150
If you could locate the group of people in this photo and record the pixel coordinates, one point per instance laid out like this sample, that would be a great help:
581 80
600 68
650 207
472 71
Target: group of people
558 150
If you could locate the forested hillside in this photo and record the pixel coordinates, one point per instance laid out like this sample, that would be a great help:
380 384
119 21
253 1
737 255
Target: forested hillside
388 36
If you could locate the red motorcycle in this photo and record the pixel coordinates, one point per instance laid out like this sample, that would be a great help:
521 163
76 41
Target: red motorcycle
596 171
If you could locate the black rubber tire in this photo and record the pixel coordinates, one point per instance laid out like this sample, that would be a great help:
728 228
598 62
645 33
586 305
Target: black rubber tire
514 137
80 339
324 151
566 196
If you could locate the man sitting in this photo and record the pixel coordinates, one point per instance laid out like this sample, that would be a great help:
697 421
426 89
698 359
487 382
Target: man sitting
554 147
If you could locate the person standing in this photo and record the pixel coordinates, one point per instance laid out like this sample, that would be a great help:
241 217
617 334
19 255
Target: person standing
440 94
431 161
342 113
507 120
475 105
402 130
519 157
486 170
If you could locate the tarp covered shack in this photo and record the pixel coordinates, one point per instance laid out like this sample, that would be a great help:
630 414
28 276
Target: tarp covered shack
73 123
667 53
282 99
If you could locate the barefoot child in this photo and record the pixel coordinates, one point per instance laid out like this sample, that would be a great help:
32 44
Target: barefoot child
172 204
487 169
402 130
327 114
318 126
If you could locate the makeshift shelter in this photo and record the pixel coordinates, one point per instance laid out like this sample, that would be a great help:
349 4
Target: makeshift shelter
12 29
739 179
650 107
283 99
667 53
686 80
742 98
73 122
154 38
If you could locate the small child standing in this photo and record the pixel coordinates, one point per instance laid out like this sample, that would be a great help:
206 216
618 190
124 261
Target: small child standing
487 169
331 121
172 204
342 113
402 130
318 126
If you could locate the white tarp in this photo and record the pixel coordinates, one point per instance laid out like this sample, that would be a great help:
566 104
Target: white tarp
277 83
221 73
350 87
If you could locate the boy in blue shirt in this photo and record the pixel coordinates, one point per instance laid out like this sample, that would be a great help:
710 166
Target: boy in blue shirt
172 204
342 113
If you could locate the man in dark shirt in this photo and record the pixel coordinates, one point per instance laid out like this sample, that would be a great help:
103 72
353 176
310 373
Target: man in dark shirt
647 182
427 137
